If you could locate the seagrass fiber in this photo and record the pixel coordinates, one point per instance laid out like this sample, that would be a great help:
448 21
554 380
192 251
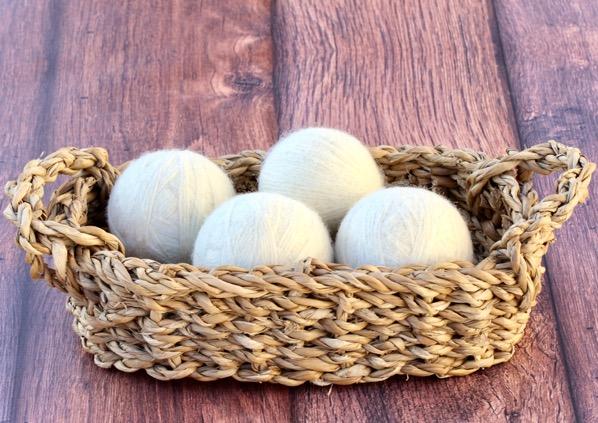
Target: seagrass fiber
313 321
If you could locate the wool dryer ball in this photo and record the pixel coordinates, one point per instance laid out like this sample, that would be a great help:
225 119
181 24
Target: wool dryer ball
261 228
327 169
160 201
401 226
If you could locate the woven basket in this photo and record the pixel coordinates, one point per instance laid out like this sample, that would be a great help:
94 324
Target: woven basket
319 322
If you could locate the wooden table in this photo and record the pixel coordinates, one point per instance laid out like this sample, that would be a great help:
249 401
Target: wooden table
221 76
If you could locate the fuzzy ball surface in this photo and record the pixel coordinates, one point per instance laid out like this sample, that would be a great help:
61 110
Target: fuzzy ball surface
327 169
161 200
402 226
261 229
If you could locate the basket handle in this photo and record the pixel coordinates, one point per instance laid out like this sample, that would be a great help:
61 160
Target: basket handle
544 159
45 239
530 235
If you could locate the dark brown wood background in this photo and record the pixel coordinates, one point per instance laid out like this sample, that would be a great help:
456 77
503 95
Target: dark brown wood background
222 76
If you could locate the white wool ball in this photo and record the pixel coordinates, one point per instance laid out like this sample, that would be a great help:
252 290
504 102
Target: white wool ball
160 201
327 169
403 226
261 228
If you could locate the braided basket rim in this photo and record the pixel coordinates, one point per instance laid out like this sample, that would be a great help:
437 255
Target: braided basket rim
319 322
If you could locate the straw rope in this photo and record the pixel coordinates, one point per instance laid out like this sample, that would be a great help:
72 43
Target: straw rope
320 322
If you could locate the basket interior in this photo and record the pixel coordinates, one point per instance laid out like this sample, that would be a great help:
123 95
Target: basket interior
82 199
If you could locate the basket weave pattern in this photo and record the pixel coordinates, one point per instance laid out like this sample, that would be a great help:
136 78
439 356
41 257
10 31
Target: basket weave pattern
318 322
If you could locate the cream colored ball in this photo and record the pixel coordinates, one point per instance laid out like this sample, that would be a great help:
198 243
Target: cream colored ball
327 169
403 226
160 201
261 229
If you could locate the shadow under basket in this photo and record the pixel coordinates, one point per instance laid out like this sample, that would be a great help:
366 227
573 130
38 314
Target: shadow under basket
319 322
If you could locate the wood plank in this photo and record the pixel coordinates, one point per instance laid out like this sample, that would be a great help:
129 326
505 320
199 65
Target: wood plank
398 73
552 55
419 73
130 76
22 75
112 76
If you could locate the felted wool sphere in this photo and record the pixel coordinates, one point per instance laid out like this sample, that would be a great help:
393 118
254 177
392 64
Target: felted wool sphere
261 228
401 226
327 169
160 201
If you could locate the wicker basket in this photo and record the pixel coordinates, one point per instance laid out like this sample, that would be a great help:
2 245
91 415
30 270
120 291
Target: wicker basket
319 322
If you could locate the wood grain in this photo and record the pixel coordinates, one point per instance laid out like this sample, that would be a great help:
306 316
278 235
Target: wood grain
23 72
420 73
393 72
130 76
225 76
552 57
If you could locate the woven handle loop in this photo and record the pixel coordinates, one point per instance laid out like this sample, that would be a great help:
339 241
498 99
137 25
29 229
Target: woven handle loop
525 242
544 159
49 244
